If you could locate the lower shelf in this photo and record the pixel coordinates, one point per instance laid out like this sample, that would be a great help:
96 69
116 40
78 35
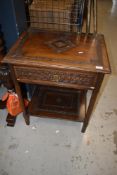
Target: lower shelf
58 103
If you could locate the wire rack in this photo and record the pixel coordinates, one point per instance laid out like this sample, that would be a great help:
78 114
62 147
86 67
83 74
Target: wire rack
57 15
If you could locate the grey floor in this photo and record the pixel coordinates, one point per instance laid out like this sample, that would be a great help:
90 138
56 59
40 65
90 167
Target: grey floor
57 147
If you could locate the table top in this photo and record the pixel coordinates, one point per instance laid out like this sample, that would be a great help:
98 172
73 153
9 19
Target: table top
60 50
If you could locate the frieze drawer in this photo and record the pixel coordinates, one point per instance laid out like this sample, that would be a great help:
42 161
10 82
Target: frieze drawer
56 76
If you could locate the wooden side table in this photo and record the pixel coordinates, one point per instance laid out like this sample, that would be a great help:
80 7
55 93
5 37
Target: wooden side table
63 64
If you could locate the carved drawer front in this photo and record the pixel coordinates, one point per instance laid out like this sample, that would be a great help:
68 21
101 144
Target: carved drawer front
55 76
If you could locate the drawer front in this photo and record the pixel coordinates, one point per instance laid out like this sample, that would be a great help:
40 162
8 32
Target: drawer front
55 76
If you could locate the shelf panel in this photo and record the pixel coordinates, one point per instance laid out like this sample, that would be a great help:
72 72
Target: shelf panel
58 103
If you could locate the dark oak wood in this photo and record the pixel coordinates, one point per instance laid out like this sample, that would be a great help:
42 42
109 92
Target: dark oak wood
55 77
89 53
58 103
40 58
92 101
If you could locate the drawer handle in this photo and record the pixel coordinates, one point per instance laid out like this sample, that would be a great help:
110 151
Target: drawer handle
55 78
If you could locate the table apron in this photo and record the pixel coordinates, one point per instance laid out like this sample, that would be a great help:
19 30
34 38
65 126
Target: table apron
64 78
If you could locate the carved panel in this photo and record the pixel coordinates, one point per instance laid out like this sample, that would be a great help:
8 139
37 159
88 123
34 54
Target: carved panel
57 76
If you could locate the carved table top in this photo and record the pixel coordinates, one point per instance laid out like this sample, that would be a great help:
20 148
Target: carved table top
46 49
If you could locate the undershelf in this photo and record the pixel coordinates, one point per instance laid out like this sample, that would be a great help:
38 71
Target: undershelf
58 103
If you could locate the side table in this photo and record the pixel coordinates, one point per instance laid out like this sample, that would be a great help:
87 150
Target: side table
65 66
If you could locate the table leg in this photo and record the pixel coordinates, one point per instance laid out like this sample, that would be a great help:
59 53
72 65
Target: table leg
18 91
92 101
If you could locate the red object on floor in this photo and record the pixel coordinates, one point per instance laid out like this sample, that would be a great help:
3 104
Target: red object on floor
13 104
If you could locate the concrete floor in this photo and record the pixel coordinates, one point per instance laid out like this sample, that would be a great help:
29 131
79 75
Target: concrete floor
57 147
